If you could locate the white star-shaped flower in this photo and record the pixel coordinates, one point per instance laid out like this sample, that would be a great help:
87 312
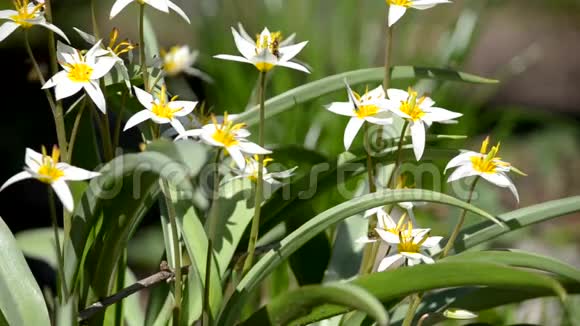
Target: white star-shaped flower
266 52
161 5
227 135
26 15
397 8
180 59
49 170
372 107
252 167
81 71
487 165
160 109
420 113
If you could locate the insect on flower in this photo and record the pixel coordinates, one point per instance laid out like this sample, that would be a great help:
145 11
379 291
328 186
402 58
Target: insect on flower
26 15
266 52
49 170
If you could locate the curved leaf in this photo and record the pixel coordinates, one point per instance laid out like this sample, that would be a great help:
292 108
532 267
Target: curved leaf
321 222
39 244
307 92
401 282
288 307
515 220
21 301
111 209
519 258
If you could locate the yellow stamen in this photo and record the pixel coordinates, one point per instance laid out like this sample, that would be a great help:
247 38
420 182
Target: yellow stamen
407 241
23 14
161 108
48 172
225 132
489 162
364 110
269 42
80 72
403 3
411 107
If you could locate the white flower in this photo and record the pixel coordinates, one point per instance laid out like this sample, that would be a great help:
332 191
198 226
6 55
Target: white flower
160 109
161 5
252 168
372 107
81 71
409 244
49 170
397 8
26 15
420 114
179 60
266 52
230 136
484 164
114 49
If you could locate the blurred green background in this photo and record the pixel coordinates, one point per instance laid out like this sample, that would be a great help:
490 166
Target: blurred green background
531 46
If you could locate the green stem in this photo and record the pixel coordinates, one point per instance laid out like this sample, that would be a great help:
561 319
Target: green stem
142 58
207 283
58 110
459 224
388 51
213 217
259 181
415 302
117 132
94 20
73 136
38 71
62 289
176 253
390 183
371 248
107 142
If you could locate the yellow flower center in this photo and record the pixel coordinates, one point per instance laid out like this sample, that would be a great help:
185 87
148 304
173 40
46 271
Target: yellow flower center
403 3
48 172
365 110
489 162
161 108
225 132
80 72
411 107
23 14
407 242
254 176
271 43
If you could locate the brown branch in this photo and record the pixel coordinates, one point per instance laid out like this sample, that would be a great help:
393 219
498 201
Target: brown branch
163 275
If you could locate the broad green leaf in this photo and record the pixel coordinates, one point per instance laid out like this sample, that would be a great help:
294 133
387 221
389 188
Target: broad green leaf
160 299
66 315
286 308
515 220
390 286
21 301
133 312
320 223
315 89
39 244
519 258
111 209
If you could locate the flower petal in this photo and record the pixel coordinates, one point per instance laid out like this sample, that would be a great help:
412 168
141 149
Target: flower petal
439 114
237 156
6 29
102 66
461 159
397 95
75 174
426 4
293 65
395 13
352 128
232 58
137 118
177 126
431 242
387 236
393 261
342 108
418 137
160 5
144 98
6 14
86 36
64 194
178 10
187 107
32 159
118 6
54 29
65 87
379 121
501 180
289 52
95 93
462 171
15 178
252 148
189 133
246 48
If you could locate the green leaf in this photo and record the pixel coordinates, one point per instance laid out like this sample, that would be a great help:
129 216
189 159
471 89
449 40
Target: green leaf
318 224
111 209
288 307
159 299
519 258
515 220
39 244
391 286
310 91
21 301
